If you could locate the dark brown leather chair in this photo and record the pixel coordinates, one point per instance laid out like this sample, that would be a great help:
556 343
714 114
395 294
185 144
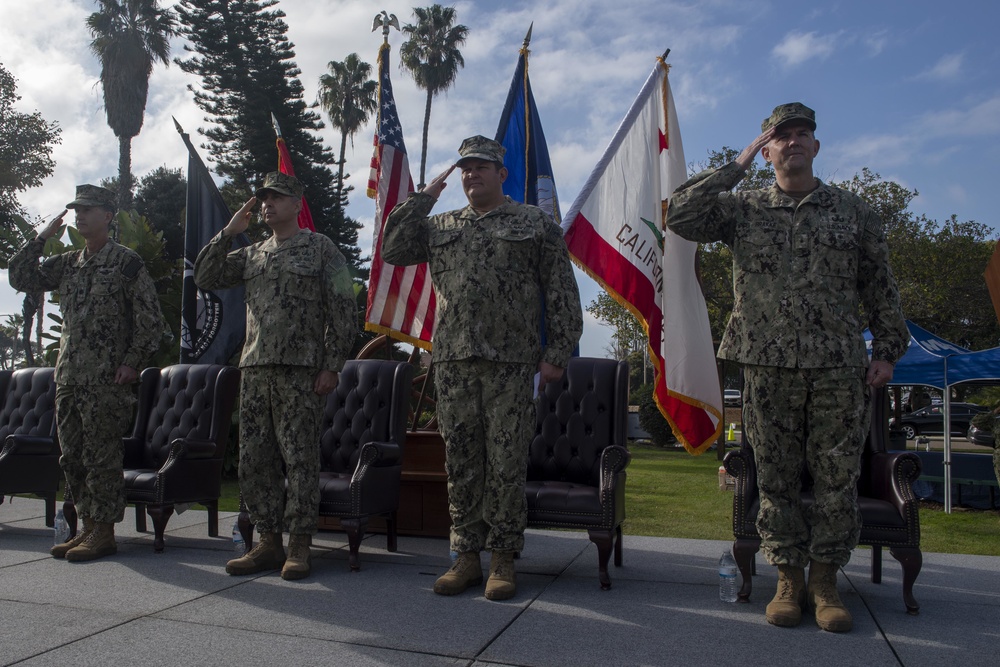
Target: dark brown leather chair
29 461
361 450
889 510
577 459
174 455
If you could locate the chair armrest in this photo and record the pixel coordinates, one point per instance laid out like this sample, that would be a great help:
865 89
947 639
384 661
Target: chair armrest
614 459
190 448
29 445
740 464
891 476
376 455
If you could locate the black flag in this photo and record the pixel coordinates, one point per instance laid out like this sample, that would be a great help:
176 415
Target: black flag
213 324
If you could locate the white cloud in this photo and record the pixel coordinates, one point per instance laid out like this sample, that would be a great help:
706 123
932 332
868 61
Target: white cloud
946 69
799 47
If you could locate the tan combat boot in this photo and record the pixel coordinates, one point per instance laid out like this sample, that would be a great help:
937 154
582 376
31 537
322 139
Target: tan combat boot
785 610
501 584
465 571
297 565
59 550
99 543
831 615
267 554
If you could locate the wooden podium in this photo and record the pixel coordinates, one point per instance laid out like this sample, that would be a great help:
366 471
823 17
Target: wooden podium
423 492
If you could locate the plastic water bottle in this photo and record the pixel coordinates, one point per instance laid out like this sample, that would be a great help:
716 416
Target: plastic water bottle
238 544
60 528
727 577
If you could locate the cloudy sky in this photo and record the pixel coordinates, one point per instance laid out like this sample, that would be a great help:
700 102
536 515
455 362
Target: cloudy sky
908 88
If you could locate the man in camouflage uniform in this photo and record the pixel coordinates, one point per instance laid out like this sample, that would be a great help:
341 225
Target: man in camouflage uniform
806 257
493 264
301 323
111 326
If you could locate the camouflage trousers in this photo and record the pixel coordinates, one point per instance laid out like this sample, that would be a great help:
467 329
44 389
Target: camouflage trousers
280 418
487 419
815 419
91 421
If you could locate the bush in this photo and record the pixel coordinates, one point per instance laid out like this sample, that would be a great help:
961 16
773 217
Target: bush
651 419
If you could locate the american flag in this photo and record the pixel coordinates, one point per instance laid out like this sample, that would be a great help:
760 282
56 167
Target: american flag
400 298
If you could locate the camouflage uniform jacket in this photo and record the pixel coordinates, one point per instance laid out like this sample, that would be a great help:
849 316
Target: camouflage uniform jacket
111 314
491 274
799 272
299 294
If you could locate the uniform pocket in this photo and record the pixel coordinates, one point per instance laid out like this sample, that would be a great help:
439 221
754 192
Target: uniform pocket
836 254
759 250
301 281
443 245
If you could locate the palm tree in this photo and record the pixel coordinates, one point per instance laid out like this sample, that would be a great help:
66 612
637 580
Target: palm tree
432 56
129 37
349 97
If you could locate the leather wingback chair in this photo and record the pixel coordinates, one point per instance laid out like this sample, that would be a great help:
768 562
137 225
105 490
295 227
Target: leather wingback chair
889 510
29 460
175 453
361 450
577 459
361 447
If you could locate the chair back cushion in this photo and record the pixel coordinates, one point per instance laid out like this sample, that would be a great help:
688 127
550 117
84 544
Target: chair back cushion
576 419
361 409
184 401
28 403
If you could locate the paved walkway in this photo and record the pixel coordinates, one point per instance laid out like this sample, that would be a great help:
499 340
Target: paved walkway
180 608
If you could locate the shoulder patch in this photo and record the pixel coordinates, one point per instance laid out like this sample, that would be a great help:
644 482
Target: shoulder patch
132 267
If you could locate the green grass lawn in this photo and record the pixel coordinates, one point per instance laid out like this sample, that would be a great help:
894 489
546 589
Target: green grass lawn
673 494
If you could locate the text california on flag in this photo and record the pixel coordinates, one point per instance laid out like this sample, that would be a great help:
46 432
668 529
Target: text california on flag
400 298
615 233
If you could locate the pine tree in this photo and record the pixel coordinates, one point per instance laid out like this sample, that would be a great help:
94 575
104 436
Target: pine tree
247 69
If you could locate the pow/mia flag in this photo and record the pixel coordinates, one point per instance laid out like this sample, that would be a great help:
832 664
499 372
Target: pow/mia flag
213 323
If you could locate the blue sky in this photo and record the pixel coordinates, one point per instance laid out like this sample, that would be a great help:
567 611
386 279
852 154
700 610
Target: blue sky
908 88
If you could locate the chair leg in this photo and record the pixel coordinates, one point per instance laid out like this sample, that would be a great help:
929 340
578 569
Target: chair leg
245 525
213 517
912 559
744 551
160 515
876 564
391 543
50 508
140 518
355 527
69 512
618 545
604 540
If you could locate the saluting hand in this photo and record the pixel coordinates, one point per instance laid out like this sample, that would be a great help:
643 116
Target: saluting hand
745 159
435 187
52 229
241 220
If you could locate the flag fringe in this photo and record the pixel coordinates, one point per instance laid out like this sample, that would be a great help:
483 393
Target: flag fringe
694 450
398 335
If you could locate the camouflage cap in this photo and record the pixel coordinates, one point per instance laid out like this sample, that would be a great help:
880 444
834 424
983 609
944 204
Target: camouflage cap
784 113
283 184
94 195
481 148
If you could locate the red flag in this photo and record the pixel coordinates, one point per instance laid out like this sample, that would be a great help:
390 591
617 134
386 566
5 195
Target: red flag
285 167
400 298
615 233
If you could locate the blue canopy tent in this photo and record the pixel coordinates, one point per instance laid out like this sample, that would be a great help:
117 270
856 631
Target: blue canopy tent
936 362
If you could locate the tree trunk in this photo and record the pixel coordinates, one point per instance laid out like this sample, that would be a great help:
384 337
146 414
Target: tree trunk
340 170
124 173
423 152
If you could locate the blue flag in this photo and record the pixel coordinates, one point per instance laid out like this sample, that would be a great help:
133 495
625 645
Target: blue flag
529 171
213 324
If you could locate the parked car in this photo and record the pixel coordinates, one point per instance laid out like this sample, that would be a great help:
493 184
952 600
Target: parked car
732 398
929 420
980 436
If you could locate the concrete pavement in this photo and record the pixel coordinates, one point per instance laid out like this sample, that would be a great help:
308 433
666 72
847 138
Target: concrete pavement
180 608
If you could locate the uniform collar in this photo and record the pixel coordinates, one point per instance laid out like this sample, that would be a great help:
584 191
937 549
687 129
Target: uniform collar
300 238
470 213
100 258
822 196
